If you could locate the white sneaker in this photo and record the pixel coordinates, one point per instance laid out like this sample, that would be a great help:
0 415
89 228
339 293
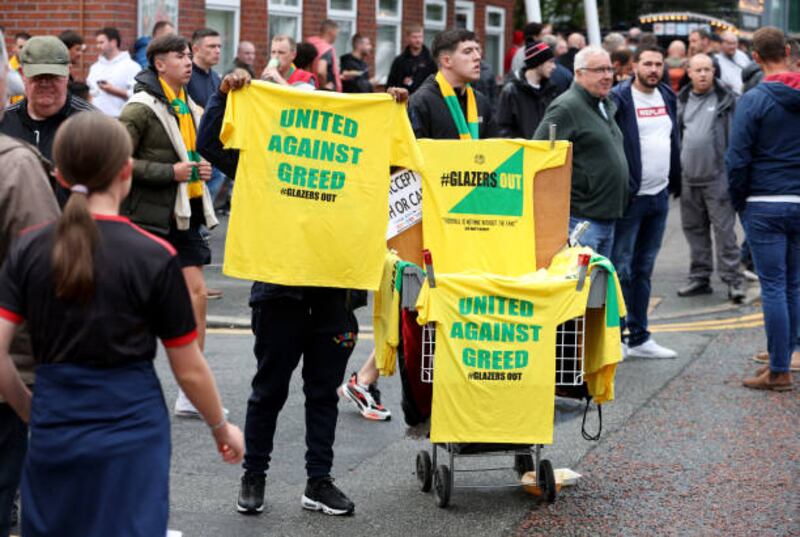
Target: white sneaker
185 409
650 349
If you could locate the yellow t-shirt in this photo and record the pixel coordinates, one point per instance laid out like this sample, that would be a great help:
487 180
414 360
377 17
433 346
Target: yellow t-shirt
477 202
312 185
494 367
386 317
602 343
14 65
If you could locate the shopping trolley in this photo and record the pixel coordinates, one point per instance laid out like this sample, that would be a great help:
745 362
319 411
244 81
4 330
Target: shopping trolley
569 374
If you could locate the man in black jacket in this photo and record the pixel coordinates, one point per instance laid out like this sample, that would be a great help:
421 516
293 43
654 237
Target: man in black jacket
410 69
355 70
47 104
315 322
459 57
527 94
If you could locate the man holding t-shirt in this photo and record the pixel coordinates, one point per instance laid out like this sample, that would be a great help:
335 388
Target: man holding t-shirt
646 114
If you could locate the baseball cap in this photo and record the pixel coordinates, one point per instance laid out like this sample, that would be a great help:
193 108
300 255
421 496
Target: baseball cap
44 55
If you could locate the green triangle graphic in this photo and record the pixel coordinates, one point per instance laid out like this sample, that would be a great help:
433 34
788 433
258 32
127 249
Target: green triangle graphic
496 201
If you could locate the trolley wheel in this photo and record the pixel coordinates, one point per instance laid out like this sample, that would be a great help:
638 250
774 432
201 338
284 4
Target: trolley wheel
523 463
441 486
424 470
546 480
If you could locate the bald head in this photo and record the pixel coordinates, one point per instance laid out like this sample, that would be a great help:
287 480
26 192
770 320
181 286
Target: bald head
730 42
576 40
246 53
677 49
701 73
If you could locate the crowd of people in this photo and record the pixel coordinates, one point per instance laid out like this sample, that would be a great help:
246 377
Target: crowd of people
122 175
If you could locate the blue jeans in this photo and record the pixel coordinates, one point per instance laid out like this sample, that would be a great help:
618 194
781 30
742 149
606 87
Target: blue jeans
599 236
13 444
637 240
215 183
773 232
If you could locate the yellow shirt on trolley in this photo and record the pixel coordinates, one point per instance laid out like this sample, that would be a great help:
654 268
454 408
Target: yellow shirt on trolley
494 365
312 185
477 202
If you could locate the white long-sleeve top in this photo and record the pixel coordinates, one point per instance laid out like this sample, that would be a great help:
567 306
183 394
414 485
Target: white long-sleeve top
119 72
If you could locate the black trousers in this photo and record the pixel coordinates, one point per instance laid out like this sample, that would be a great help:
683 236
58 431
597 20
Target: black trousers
323 331
13 445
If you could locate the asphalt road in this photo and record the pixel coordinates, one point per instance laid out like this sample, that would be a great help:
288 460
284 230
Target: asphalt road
670 421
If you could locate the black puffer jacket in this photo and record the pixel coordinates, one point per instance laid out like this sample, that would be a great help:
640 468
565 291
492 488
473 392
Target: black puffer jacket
521 107
431 118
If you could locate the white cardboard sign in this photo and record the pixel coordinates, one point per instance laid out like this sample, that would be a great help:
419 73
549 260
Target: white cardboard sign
405 202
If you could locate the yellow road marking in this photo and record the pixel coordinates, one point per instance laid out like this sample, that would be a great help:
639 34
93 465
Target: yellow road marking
716 322
731 326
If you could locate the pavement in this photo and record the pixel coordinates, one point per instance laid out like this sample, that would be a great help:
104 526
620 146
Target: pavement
685 450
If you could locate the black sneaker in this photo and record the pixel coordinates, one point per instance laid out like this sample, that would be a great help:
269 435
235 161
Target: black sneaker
695 288
251 494
323 495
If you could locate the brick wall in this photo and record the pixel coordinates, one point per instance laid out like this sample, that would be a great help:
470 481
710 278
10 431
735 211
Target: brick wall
314 12
253 27
51 17
191 16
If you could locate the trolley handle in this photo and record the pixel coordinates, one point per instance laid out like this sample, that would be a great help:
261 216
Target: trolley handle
583 267
427 258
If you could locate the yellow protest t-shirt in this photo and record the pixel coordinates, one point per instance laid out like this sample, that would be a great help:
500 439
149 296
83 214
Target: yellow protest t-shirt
494 365
312 185
477 202
602 341
386 317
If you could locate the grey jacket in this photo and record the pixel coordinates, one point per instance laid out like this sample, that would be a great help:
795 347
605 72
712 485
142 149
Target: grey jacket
26 199
726 105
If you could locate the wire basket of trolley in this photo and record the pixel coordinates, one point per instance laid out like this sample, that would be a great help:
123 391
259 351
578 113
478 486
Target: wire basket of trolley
498 349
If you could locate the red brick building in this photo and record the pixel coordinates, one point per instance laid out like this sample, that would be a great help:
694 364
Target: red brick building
384 21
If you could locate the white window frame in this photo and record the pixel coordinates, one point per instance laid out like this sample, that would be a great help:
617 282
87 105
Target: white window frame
282 10
228 5
341 15
396 21
431 24
140 18
499 31
434 25
469 7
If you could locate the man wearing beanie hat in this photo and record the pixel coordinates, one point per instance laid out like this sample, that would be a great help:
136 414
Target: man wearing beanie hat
47 104
527 94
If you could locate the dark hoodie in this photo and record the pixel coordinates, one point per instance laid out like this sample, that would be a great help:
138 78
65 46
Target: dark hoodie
521 107
417 68
763 158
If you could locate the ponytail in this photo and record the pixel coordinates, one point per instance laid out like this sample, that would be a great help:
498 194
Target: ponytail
73 249
89 151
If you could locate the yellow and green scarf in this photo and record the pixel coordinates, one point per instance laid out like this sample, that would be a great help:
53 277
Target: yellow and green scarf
467 128
188 134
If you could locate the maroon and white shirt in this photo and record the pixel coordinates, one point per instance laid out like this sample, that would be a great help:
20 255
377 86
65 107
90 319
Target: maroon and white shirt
655 140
